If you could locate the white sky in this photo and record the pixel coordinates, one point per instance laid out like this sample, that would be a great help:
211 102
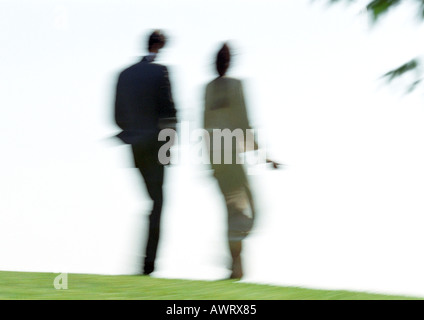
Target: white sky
347 212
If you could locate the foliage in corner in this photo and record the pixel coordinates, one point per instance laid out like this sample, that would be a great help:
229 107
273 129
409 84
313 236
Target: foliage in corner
377 9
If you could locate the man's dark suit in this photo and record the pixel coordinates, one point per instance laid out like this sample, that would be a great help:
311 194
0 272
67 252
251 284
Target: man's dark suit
143 105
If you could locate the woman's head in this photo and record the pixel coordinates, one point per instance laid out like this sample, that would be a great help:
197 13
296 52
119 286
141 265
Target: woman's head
223 60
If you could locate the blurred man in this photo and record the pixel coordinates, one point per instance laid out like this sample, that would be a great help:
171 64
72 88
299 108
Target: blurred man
144 106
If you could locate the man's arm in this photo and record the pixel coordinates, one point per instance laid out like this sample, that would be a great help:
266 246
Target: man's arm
167 111
122 114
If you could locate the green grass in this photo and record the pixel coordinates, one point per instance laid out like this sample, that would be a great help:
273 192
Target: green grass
40 286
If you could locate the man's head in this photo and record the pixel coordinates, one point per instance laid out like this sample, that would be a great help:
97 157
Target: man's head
156 42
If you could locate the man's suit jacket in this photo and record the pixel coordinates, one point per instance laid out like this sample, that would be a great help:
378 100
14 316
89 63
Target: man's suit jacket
143 101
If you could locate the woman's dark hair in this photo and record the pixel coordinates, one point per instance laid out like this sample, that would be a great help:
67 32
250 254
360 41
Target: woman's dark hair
157 37
223 60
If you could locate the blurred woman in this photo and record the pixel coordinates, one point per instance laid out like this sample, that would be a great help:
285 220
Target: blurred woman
224 108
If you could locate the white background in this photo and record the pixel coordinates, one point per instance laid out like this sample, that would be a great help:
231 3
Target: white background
345 213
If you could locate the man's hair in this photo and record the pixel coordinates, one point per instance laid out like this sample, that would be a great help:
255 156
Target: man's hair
157 37
223 60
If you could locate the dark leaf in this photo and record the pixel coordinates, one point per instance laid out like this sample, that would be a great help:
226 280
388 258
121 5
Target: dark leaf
380 7
411 65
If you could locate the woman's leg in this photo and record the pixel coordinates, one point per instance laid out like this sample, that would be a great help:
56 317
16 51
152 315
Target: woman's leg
236 267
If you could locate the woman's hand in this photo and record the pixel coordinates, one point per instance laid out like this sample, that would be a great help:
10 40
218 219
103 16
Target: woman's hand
274 164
